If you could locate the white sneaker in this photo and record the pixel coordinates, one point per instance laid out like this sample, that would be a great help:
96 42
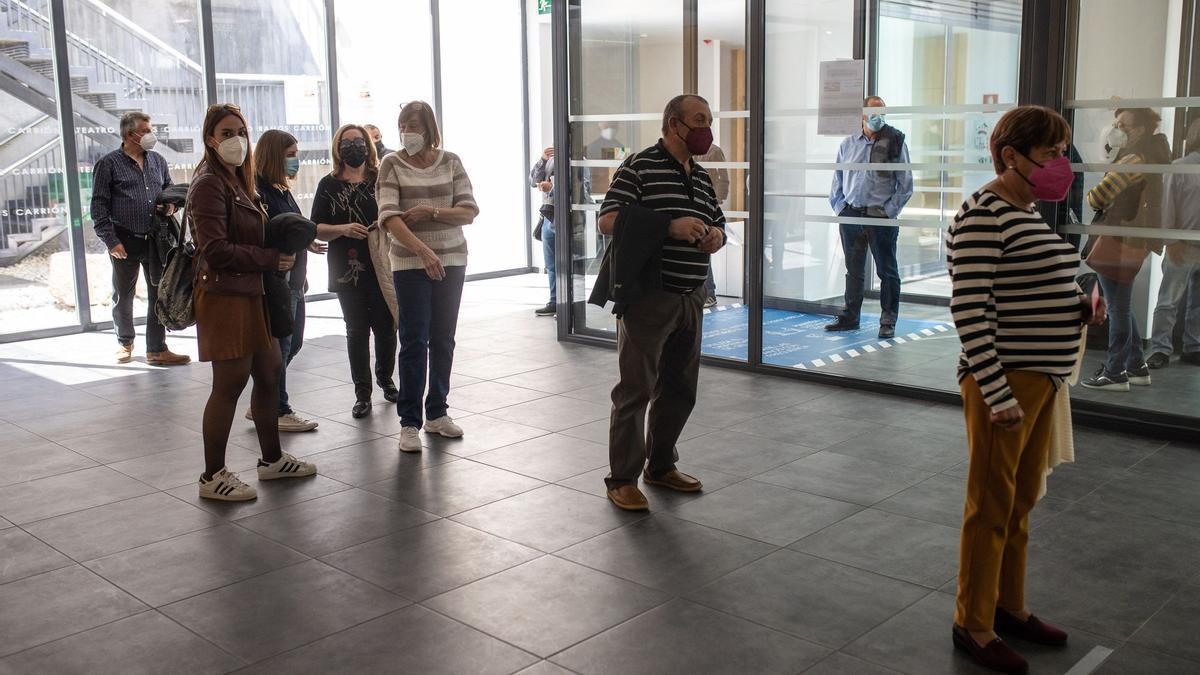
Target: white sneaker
410 439
444 426
226 486
294 423
286 466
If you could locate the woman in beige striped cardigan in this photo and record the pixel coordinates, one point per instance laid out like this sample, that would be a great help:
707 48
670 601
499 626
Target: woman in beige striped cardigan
424 201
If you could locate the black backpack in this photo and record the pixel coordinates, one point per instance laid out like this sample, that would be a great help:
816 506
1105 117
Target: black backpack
174 305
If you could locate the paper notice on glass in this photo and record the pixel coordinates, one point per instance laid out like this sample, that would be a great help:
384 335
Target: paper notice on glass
840 110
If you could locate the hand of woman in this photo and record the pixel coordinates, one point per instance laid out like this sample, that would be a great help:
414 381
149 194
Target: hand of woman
1009 418
418 214
354 230
319 247
286 261
433 264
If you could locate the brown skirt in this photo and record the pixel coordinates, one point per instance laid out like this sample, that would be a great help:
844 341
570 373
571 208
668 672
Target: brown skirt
231 326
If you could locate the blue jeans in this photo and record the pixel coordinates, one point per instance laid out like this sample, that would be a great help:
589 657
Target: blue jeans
548 257
290 346
881 240
1124 338
428 321
1179 281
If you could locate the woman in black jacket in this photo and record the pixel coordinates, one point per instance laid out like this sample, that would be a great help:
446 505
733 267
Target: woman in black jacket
344 208
277 162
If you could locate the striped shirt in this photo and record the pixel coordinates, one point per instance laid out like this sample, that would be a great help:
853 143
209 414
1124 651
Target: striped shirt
1015 301
442 185
1114 183
123 193
653 179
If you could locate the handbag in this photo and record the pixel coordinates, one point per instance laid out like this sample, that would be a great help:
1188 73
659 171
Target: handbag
174 307
1111 258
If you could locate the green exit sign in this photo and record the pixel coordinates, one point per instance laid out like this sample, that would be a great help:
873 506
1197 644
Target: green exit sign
543 6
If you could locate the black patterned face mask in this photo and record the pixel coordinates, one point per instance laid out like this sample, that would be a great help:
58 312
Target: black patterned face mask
353 153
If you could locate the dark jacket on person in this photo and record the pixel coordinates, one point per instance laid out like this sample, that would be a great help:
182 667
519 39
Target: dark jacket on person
165 234
228 229
632 265
289 233
1140 204
275 201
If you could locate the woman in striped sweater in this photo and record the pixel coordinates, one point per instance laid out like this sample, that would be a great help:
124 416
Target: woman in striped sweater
424 201
1019 315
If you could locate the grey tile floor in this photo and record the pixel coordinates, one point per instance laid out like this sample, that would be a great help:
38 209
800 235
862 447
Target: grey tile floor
825 541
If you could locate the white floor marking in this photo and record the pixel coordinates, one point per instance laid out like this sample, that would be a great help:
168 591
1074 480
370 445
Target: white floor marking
1090 661
836 359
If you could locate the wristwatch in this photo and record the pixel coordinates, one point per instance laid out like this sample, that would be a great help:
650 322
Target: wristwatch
436 213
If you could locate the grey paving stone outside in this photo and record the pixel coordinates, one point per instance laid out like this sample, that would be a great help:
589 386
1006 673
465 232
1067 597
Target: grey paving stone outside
825 540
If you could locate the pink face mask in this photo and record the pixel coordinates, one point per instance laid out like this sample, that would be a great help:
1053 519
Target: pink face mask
1050 181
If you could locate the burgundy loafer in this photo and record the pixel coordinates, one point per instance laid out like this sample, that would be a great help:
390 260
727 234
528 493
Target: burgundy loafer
1031 630
994 655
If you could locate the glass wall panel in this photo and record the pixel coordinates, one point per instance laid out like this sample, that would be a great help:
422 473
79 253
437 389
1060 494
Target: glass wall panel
372 83
483 119
945 73
126 59
1160 134
37 282
270 59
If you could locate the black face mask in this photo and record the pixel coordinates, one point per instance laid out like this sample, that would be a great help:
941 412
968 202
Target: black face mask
354 153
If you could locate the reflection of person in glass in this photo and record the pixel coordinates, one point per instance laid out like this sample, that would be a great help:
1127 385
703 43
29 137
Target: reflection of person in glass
871 194
604 146
720 179
1126 199
663 215
1019 315
1181 262
125 184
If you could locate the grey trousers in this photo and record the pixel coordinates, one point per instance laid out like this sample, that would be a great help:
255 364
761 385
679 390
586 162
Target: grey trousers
658 352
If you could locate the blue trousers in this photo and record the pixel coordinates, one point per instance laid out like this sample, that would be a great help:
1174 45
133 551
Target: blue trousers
1124 338
428 322
548 256
290 346
881 240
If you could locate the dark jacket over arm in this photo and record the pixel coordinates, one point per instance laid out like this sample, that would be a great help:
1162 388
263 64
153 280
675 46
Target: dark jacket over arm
632 265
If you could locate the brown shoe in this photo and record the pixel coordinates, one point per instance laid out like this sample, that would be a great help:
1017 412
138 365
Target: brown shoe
1032 629
995 655
676 480
124 353
167 358
629 498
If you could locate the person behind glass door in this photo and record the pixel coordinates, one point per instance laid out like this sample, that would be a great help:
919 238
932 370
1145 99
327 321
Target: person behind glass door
1019 315
232 325
277 161
344 207
720 179
376 139
1181 263
1131 200
604 146
425 200
125 183
871 194
662 202
541 176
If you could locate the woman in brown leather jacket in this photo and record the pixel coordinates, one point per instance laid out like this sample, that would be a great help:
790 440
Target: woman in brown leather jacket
231 317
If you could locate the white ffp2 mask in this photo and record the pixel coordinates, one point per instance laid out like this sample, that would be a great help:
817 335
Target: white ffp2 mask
233 150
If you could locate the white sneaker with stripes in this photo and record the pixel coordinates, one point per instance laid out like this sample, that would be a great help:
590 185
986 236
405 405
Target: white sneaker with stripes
286 466
226 486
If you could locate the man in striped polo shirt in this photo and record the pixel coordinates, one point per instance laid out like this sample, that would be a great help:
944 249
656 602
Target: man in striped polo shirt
658 334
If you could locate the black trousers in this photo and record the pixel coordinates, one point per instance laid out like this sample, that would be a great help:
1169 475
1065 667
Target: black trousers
124 279
366 312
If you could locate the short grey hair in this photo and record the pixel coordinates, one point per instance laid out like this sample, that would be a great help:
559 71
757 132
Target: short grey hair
675 108
130 120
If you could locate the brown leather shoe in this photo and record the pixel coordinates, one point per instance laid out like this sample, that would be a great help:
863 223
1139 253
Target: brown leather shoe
124 353
629 498
1032 629
995 655
167 358
674 479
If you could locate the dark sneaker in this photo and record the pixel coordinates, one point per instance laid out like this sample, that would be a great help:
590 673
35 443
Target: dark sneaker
1139 376
1158 360
887 332
841 325
549 310
1103 380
